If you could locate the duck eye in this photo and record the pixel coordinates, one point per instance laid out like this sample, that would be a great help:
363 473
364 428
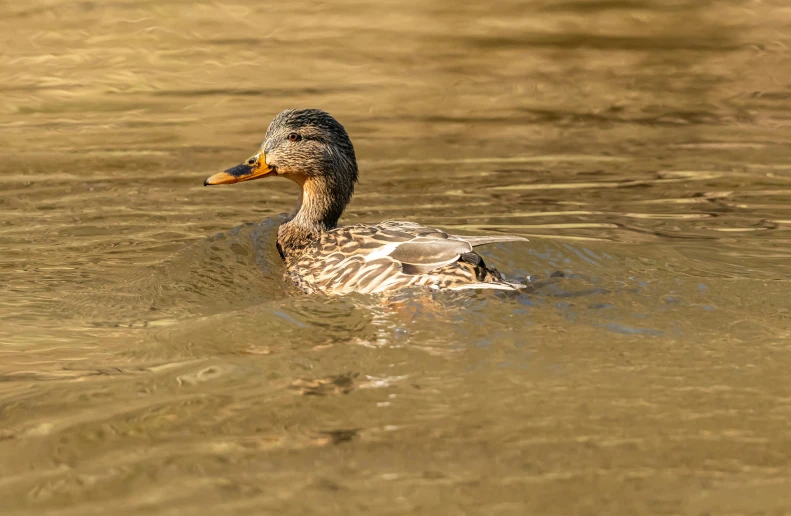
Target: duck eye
294 137
252 160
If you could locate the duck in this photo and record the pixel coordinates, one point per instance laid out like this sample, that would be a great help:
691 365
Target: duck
312 149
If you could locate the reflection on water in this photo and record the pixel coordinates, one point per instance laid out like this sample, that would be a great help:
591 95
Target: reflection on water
153 359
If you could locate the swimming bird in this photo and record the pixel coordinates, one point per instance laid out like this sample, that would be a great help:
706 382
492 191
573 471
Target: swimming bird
311 148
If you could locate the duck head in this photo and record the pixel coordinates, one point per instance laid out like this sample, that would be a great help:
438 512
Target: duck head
309 147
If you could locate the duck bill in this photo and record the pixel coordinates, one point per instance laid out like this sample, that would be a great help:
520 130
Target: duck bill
243 172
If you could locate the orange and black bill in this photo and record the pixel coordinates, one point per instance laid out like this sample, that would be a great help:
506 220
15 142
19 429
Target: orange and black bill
253 168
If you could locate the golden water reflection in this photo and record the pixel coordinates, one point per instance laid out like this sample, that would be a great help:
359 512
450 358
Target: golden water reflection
153 360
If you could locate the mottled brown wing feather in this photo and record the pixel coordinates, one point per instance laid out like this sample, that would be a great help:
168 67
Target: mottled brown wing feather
374 258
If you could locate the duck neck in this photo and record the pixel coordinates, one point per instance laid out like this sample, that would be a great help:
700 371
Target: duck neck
320 205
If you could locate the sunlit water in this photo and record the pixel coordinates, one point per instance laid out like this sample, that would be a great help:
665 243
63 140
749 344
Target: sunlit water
154 360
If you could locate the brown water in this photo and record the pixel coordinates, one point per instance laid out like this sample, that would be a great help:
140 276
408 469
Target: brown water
153 360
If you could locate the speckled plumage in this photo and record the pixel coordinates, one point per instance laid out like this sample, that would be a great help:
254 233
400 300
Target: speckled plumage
372 258
312 149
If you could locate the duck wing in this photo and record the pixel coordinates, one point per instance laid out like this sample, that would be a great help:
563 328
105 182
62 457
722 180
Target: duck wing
410 248
419 256
422 248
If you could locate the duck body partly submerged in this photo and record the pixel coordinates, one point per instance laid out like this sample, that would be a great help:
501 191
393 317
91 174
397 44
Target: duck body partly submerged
312 149
373 258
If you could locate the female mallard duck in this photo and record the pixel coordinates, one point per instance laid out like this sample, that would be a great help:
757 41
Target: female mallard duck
312 149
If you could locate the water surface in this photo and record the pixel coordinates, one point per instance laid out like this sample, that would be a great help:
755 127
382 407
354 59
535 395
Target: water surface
153 359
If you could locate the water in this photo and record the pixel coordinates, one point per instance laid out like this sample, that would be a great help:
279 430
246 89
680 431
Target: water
153 360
